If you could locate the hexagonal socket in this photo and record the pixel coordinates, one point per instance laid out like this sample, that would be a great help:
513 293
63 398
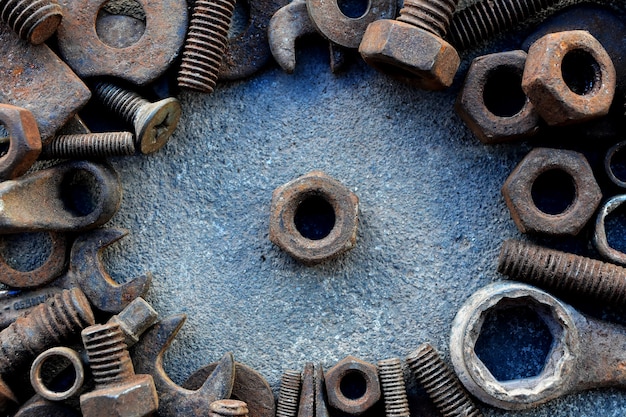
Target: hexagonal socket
353 386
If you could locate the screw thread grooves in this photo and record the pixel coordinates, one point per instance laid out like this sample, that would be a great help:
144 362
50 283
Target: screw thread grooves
441 384
561 271
47 325
484 19
89 145
205 45
393 388
228 408
431 15
123 102
109 359
289 394
27 17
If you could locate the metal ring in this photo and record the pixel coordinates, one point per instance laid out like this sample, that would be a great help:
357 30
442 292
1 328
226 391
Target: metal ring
37 382
608 159
600 239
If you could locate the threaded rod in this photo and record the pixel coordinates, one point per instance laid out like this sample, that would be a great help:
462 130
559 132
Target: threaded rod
91 145
109 359
393 388
288 394
431 15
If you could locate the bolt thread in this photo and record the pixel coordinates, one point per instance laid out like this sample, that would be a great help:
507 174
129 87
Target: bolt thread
47 325
563 272
431 15
125 103
89 146
486 18
393 387
109 359
441 384
205 45
33 20
289 394
228 408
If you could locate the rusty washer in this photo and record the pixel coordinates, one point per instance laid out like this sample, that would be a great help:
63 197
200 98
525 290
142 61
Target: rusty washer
345 382
314 217
492 102
518 192
569 77
24 141
600 239
36 379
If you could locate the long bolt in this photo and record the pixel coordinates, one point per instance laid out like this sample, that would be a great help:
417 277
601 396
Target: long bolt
288 394
486 18
228 408
393 388
563 272
154 122
441 384
205 44
91 145
33 20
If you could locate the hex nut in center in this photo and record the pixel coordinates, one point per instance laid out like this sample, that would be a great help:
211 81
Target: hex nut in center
352 386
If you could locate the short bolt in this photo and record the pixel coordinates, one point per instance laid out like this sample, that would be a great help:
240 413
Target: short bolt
289 394
134 320
441 384
393 388
563 272
33 20
205 44
228 408
154 122
90 145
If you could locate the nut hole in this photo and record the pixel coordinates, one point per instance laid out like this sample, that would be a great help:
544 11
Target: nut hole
580 72
353 9
26 251
353 385
5 140
554 191
514 343
79 192
121 23
57 373
503 95
615 226
314 218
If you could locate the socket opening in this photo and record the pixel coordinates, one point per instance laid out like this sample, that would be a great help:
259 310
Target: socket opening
616 164
353 385
554 191
57 373
121 23
26 251
314 217
353 9
581 72
79 192
503 95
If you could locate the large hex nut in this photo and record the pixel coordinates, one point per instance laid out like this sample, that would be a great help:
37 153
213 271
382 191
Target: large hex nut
308 191
352 386
136 398
24 141
492 102
409 54
569 77
517 192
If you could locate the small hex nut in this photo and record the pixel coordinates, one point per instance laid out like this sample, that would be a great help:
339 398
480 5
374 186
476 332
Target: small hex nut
569 77
492 102
311 189
339 380
24 141
517 192
409 54
136 398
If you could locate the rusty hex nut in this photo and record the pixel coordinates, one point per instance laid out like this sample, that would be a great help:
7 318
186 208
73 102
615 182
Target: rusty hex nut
518 192
492 102
409 54
352 386
569 77
24 141
135 398
314 218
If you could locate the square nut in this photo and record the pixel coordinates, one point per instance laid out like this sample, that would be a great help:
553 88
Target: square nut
136 398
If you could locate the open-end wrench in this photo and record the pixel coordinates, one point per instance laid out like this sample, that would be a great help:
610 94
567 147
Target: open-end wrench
87 272
174 400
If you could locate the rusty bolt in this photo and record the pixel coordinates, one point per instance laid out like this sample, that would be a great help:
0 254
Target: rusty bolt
119 392
228 408
134 320
24 141
393 388
289 394
89 145
543 164
314 218
352 386
33 20
411 47
492 102
441 384
569 77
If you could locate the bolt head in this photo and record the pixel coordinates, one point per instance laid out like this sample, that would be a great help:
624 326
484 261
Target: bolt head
347 367
156 123
135 398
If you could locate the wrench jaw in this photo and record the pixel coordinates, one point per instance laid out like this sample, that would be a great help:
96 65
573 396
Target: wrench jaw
174 400
88 272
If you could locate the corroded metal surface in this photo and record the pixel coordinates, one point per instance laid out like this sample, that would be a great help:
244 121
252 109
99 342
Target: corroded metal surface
34 21
24 141
36 377
364 373
393 388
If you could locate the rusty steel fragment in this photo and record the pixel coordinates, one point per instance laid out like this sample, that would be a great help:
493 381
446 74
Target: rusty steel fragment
586 353
360 372
518 192
569 77
24 141
34 78
320 393
140 62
